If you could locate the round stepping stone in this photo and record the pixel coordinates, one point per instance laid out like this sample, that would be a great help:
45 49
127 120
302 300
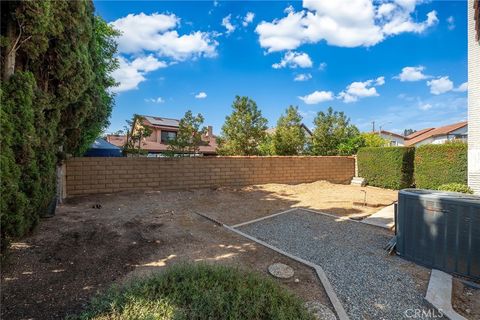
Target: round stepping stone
320 311
281 271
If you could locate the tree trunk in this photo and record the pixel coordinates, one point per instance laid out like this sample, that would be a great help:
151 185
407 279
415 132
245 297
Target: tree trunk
10 50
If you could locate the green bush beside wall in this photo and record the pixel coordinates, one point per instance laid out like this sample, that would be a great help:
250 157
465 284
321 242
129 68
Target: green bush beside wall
438 164
387 167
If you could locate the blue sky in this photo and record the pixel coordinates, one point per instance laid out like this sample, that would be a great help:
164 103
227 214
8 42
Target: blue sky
401 63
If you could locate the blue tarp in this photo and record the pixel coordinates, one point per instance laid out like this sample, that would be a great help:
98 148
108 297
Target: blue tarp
102 148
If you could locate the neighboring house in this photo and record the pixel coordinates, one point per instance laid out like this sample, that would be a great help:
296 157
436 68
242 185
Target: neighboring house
456 131
164 130
308 132
394 139
474 95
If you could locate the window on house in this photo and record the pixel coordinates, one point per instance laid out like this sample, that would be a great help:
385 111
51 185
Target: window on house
168 136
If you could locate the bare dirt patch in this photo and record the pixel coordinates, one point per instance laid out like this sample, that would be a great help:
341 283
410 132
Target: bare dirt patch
466 299
236 206
83 250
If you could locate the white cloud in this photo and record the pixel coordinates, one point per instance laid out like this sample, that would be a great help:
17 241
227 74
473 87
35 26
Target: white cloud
303 77
440 85
201 95
403 22
293 59
380 81
462 88
155 100
248 18
385 10
131 73
451 23
226 22
148 63
289 9
357 90
425 106
412 74
322 66
317 97
155 33
344 23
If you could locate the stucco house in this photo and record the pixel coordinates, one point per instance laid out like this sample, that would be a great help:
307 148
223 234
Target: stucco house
163 130
394 139
474 95
456 131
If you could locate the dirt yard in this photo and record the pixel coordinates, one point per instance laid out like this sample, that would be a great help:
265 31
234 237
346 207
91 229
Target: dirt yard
466 298
83 250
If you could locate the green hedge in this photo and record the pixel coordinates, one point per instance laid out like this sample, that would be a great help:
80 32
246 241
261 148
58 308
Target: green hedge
387 167
438 164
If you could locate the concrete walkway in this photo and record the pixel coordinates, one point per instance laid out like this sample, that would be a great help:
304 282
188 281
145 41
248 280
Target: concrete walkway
384 218
439 294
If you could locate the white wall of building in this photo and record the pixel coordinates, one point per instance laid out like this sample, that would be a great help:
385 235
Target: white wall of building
394 140
473 103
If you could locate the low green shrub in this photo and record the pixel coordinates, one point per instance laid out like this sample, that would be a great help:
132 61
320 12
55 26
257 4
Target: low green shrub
439 164
198 291
387 167
456 187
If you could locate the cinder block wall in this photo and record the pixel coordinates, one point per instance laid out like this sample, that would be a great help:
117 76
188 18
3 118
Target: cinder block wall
105 175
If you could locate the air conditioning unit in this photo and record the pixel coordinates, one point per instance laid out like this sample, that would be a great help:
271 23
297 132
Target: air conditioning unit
439 230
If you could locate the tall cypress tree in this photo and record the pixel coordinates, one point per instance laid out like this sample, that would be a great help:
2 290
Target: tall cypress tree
56 63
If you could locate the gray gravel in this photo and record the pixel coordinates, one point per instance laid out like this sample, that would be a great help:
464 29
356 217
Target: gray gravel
370 284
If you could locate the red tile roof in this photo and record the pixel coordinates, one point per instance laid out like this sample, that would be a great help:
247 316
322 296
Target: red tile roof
435 132
417 133
117 140
153 146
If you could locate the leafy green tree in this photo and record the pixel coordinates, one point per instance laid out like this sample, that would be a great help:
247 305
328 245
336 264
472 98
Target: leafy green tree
25 29
18 167
289 137
244 129
136 132
189 135
56 63
97 100
374 140
332 129
266 148
351 146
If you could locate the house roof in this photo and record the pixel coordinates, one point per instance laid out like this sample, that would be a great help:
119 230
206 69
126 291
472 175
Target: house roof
417 133
153 146
161 122
435 132
117 140
392 134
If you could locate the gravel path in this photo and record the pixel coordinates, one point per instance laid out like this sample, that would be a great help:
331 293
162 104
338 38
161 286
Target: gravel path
370 284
